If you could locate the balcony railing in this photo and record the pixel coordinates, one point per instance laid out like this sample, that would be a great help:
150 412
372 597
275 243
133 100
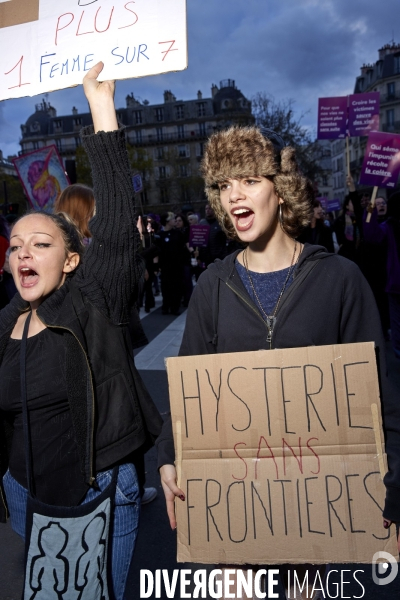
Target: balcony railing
387 98
391 127
194 134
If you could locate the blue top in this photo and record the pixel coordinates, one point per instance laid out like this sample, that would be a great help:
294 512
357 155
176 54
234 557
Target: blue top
268 286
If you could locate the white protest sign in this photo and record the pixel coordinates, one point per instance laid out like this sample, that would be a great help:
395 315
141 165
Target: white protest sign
47 45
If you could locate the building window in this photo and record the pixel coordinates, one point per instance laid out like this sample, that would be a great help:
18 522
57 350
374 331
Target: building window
202 128
78 141
161 172
58 125
138 133
59 145
164 196
397 63
183 172
200 149
160 134
201 109
390 118
160 153
159 114
184 193
391 90
138 117
180 111
181 132
325 180
182 151
78 122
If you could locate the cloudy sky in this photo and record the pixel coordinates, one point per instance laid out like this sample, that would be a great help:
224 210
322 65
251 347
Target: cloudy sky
291 49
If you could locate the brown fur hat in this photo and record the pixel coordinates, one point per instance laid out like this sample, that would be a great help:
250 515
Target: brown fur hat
240 152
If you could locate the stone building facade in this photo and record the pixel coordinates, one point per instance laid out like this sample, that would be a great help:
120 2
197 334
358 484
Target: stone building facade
166 140
384 77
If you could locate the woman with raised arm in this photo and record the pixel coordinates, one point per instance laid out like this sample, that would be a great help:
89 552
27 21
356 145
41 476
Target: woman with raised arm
277 292
88 409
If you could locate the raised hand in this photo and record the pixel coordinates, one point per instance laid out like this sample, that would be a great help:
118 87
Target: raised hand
100 96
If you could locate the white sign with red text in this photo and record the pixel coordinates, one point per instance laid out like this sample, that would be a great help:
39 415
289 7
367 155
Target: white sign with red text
47 45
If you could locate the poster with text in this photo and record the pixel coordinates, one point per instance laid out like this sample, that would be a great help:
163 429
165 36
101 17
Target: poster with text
332 117
47 45
43 176
363 113
381 165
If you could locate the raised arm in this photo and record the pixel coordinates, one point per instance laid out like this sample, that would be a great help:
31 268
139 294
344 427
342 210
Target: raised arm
112 265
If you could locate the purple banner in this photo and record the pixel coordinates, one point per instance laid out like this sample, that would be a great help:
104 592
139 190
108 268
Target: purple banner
363 113
381 164
198 235
332 117
330 205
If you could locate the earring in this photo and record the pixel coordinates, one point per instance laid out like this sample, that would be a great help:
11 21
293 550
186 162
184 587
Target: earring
280 215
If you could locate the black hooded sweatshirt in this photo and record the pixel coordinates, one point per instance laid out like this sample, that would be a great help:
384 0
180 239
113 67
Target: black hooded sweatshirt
328 302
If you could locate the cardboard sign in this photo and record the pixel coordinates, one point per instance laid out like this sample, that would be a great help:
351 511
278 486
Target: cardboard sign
47 45
381 165
363 113
42 175
280 455
199 235
332 117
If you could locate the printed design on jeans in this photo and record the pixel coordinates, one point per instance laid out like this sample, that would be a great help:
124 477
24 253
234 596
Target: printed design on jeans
92 562
50 569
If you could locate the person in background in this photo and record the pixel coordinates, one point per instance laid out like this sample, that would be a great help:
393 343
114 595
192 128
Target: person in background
182 224
381 209
172 250
217 241
77 200
193 219
387 234
348 225
4 245
317 233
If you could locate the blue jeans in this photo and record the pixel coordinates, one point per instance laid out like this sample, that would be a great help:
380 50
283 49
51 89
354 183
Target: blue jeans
125 521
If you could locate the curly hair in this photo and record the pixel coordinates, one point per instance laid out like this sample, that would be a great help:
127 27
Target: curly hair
240 152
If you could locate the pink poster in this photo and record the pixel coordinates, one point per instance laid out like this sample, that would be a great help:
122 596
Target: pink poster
43 176
363 113
381 164
332 117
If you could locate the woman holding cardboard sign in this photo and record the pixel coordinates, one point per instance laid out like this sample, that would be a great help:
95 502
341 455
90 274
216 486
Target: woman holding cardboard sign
277 293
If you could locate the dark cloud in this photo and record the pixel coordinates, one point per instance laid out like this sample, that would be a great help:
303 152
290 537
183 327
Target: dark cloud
300 49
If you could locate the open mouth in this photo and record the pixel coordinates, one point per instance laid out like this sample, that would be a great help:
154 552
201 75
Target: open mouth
28 277
244 218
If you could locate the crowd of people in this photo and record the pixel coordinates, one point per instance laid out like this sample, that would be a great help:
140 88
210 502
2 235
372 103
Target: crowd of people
72 283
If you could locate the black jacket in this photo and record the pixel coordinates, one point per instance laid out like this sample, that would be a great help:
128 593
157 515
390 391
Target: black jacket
329 302
112 412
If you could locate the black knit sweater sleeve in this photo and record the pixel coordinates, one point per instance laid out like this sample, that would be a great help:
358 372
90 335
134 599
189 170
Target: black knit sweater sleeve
112 265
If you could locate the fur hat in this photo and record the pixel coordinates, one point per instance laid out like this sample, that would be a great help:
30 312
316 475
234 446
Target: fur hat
240 152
